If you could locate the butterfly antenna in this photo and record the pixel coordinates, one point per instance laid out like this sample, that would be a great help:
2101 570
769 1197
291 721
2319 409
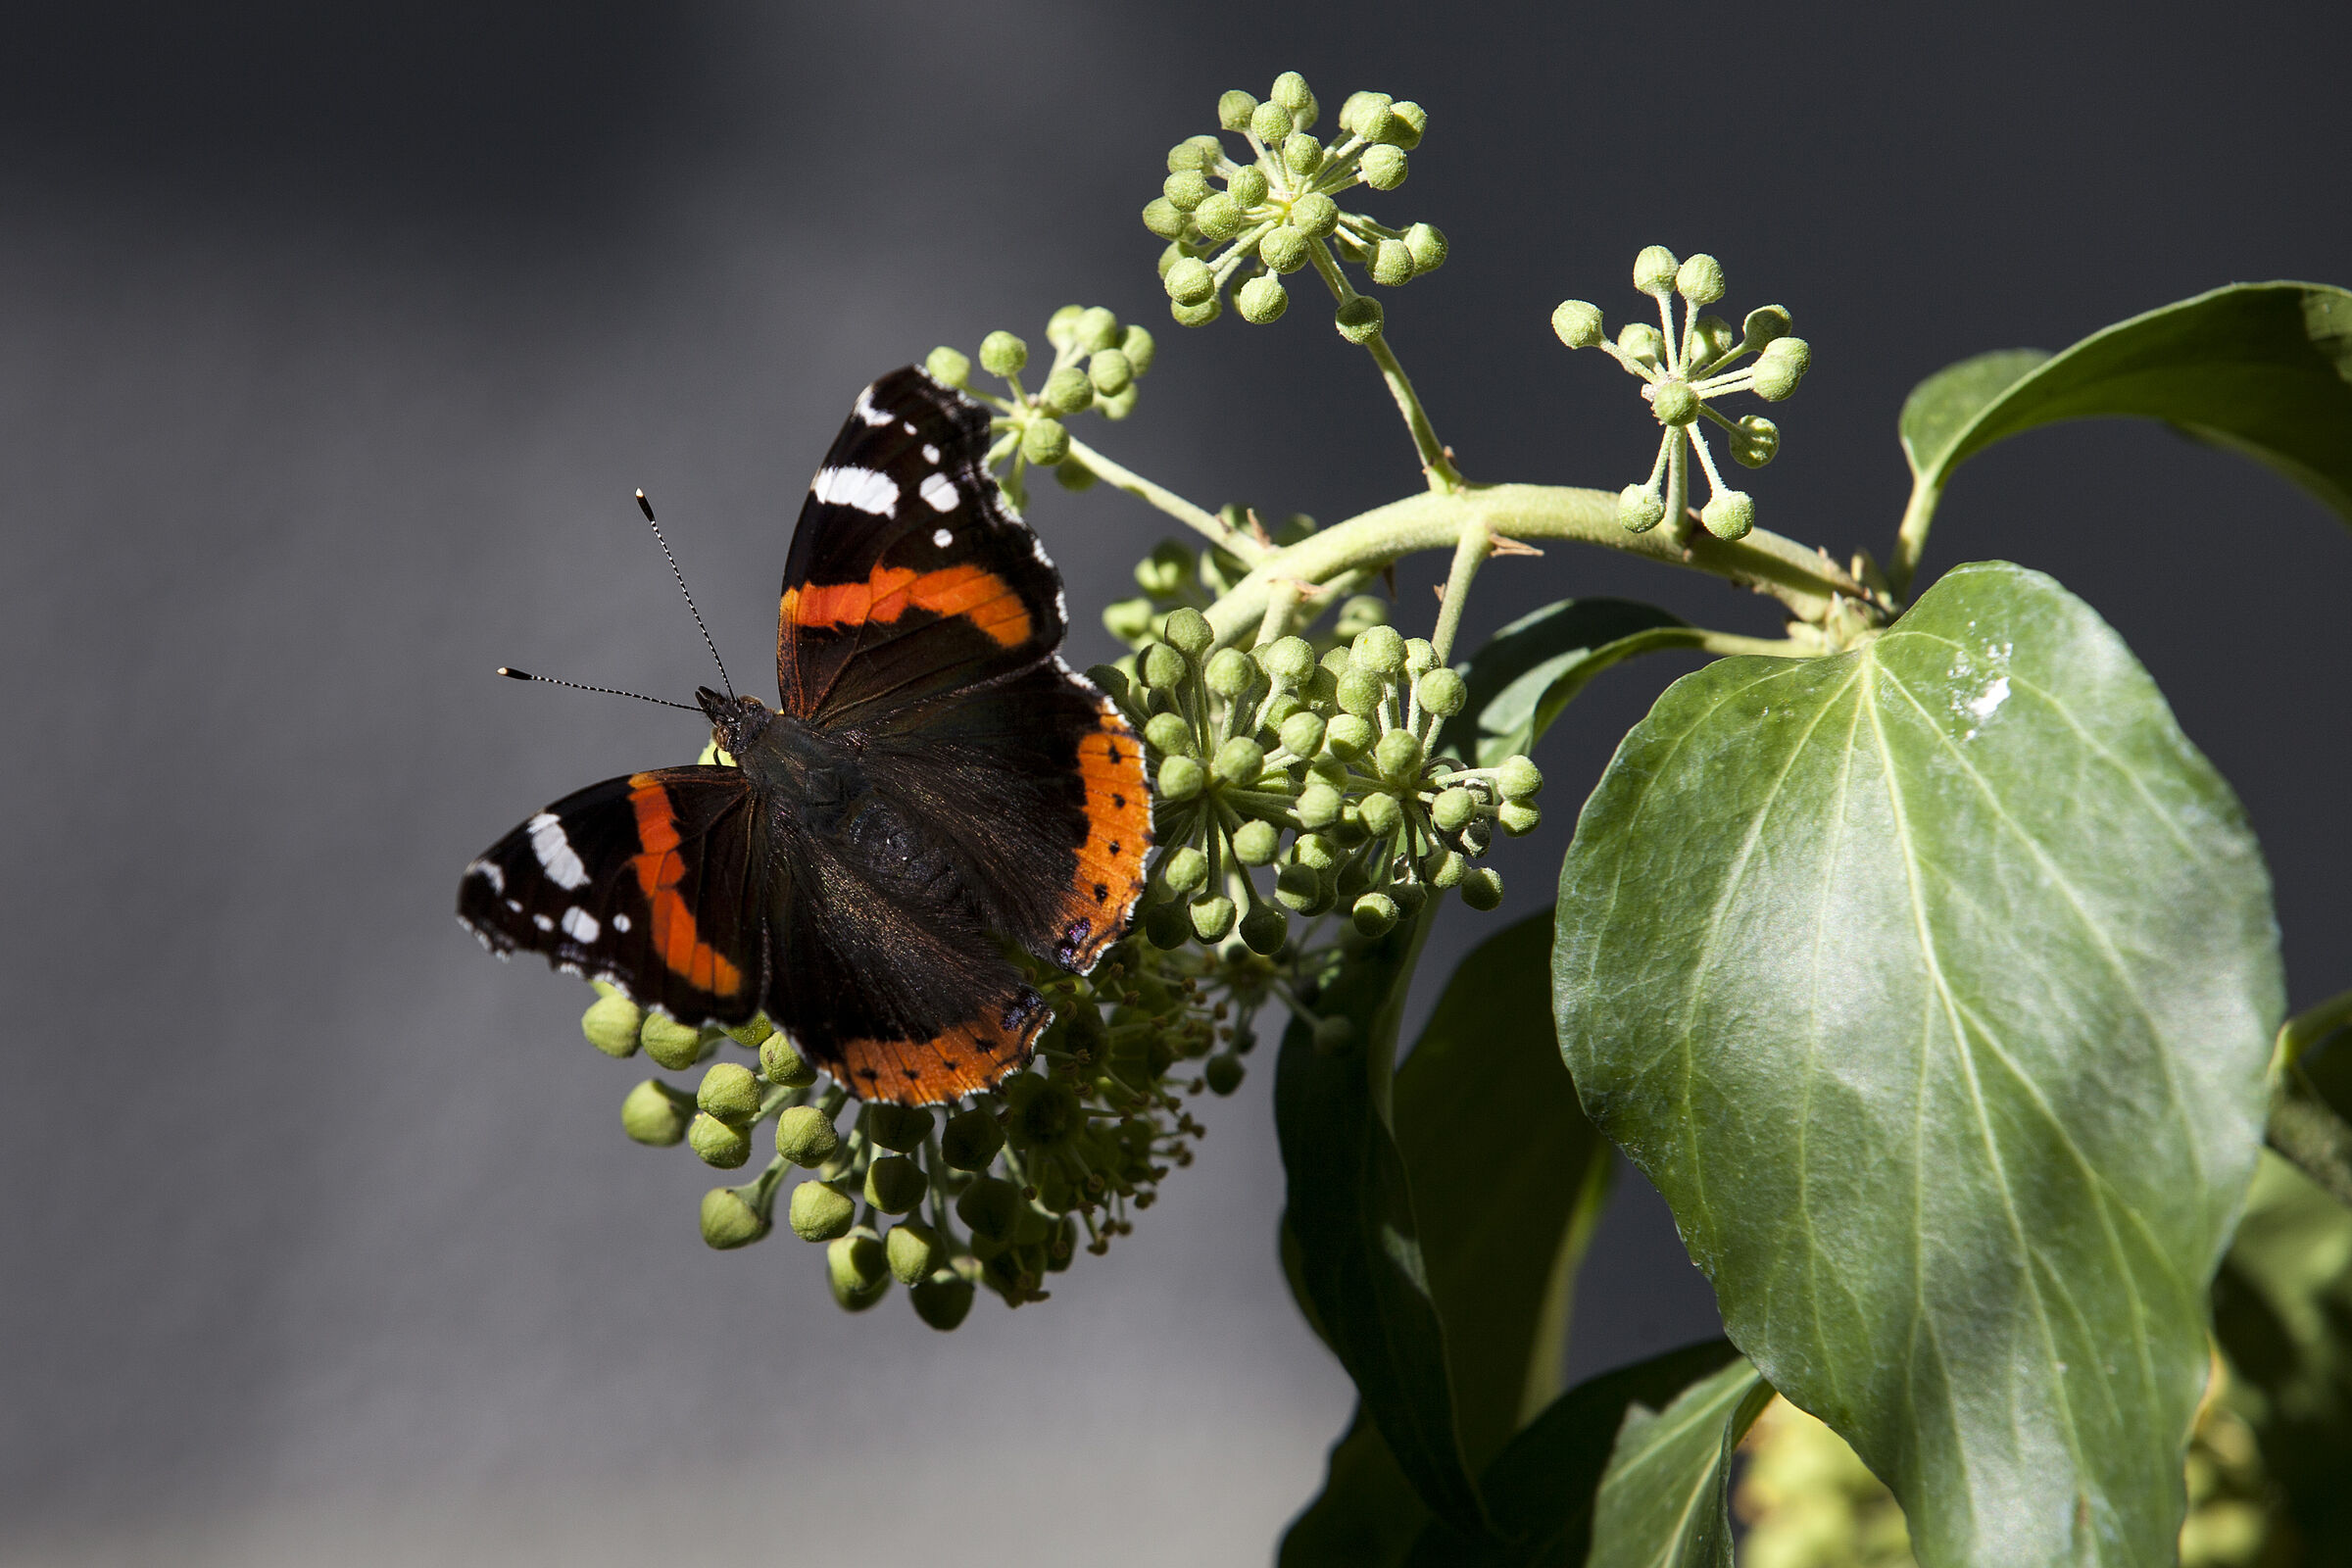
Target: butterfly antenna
646 507
609 691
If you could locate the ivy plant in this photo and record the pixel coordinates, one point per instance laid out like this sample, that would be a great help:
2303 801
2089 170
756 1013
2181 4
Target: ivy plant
1916 956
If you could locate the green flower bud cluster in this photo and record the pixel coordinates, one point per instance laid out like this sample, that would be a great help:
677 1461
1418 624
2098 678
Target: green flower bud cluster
993 1194
1245 225
1176 576
1289 782
1683 373
1096 367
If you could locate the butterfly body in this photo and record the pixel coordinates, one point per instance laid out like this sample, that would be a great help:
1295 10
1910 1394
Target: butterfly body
935 787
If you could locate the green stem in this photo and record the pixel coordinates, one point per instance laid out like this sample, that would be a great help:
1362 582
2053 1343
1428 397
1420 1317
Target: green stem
1911 539
1804 581
1232 540
2308 1028
1443 476
1470 552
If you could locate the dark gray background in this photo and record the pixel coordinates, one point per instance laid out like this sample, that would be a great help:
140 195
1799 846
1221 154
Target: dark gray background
332 346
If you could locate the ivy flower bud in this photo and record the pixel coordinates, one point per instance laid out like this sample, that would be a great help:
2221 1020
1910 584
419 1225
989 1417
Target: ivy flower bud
1270 123
1062 327
1181 778
913 1248
671 1044
1763 326
1381 167
1073 475
612 1023
1427 243
805 1135
1301 734
1408 122
1221 218
1712 338
970 1140
1519 779
1315 852
1299 887
1045 442
1128 620
1162 218
1638 340
1223 1072
1729 515
654 1114
942 1302
1162 665
1398 755
1235 109
1137 344
1442 692
1291 91
1189 633
1184 870
1482 888
1212 918
1347 736
1357 106
1754 441
1186 189
1189 282
1255 843
1361 693
991 1208
1443 869
1577 324
1066 391
1240 760
1285 248
1373 915
1247 185
951 365
1392 262
1378 650
715 1143
1230 672
1109 371
1170 734
1674 402
1096 328
1453 807
1653 268
1261 301
896 1185
1188 154
1003 354
1315 214
1167 926
1301 153
1359 319
1379 813
1639 510
1318 805
855 1267
1287 660
730 1092
1700 280
1781 365
1518 819
728 1221
897 1127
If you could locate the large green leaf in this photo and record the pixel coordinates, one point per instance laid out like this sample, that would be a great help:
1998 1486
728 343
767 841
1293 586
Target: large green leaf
2262 368
1507 1177
1665 1501
1530 669
1542 1488
1351 1211
1934 985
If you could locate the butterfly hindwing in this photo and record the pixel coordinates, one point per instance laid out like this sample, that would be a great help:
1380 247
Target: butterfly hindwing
651 882
908 575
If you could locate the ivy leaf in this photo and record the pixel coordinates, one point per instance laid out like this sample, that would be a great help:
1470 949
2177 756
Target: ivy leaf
1351 1213
1542 1486
2265 368
1507 1178
1934 985
1665 1501
1533 667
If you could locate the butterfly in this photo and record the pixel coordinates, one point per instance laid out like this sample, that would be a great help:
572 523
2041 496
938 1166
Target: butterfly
933 784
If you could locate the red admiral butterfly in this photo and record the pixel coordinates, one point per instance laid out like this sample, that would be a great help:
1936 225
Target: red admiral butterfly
935 779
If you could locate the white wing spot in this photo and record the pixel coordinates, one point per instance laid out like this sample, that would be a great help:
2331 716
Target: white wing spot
930 452
940 491
515 905
862 488
580 924
943 538
543 922
866 410
907 425
556 856
621 922
489 873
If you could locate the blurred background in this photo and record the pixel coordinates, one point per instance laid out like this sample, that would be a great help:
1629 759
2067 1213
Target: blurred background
332 342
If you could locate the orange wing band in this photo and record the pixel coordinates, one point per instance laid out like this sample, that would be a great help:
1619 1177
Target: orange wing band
972 592
659 869
1119 836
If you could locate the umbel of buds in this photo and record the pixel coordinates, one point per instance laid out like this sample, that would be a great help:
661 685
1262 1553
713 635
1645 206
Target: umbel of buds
1683 373
1243 225
1292 783
1096 367
994 1193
